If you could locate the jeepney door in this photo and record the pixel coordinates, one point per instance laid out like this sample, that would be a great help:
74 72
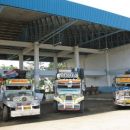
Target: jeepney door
1 94
1 89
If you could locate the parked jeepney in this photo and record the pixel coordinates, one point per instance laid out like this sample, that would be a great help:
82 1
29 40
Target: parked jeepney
17 98
122 90
68 90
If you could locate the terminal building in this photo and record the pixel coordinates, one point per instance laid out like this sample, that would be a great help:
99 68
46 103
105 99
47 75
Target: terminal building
78 34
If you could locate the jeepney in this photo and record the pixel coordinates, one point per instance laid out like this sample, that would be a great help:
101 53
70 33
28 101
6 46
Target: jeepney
122 90
68 90
17 98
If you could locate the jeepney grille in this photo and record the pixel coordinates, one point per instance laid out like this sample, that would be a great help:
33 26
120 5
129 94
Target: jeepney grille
68 97
22 99
127 94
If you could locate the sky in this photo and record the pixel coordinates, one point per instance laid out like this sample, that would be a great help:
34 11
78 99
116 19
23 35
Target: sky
16 63
121 7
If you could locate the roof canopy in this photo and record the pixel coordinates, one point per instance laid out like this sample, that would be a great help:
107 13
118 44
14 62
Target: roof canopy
58 24
73 10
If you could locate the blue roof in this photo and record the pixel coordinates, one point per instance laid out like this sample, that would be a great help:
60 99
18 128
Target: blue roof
72 10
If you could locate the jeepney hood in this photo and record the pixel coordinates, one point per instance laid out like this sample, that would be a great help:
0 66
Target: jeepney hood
19 96
125 93
15 100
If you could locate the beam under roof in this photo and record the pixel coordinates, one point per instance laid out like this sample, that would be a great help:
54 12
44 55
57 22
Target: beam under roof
47 46
46 54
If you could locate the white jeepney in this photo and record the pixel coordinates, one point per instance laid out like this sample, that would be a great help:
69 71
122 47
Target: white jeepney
17 98
68 90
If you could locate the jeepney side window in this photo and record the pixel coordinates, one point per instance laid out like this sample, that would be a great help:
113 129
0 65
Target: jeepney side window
120 85
128 85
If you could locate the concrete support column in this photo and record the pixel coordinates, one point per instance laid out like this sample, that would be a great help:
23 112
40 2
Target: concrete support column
21 61
36 64
107 68
55 60
76 57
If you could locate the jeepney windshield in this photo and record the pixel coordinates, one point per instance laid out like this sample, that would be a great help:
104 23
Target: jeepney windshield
9 93
65 86
63 89
123 85
18 90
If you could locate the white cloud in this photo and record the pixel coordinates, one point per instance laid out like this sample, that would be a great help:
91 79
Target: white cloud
121 7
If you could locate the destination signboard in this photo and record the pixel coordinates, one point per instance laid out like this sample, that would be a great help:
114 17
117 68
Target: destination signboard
67 75
123 80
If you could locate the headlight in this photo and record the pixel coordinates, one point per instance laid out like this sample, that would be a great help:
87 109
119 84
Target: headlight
36 98
62 97
8 99
127 93
121 93
75 96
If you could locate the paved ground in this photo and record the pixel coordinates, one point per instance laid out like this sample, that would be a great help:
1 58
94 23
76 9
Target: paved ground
99 115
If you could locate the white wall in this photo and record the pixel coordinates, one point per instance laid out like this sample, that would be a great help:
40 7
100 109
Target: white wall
71 62
96 81
95 62
120 57
119 61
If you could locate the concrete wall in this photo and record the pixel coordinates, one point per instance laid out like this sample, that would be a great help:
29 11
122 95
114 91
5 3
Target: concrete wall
120 58
119 61
71 62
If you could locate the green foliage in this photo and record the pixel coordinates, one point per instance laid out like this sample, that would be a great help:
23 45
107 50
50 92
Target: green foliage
11 67
41 83
58 66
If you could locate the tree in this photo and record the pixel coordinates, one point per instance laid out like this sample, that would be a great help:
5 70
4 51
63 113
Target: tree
59 66
11 67
31 65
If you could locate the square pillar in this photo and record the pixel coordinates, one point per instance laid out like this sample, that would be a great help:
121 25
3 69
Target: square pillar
107 68
76 57
21 61
55 60
36 64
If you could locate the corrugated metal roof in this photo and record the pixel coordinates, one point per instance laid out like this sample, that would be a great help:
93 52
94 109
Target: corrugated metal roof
73 10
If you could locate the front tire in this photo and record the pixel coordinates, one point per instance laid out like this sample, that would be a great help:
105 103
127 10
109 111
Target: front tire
6 113
117 107
55 106
82 107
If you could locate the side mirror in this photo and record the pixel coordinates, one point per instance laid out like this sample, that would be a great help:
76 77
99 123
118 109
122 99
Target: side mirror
113 85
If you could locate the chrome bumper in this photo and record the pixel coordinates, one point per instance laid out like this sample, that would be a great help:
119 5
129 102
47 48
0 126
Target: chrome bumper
66 107
122 104
18 113
125 102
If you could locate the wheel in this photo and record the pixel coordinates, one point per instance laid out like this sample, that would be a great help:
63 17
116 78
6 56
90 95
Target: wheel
55 106
115 105
1 113
6 113
39 116
82 107
118 107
